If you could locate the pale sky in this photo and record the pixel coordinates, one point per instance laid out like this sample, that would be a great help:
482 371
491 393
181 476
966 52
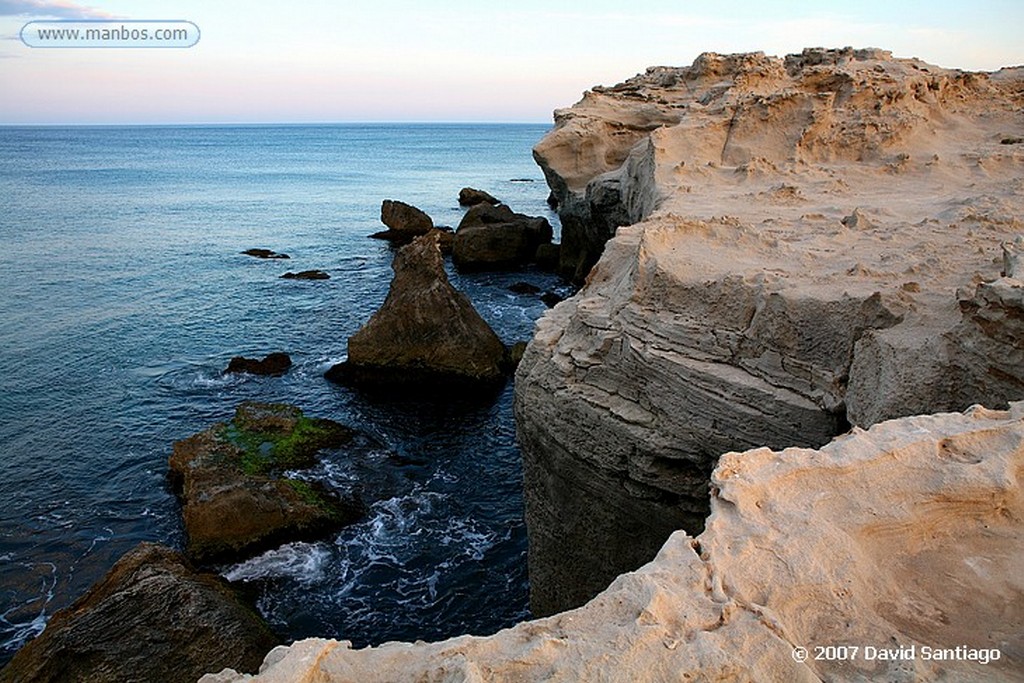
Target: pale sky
451 60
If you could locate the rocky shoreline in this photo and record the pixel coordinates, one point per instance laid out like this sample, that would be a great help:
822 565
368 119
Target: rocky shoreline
821 250
784 412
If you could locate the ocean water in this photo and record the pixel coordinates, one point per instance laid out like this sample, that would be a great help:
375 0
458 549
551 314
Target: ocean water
122 297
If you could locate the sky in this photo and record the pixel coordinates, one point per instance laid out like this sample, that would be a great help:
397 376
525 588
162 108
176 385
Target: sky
451 60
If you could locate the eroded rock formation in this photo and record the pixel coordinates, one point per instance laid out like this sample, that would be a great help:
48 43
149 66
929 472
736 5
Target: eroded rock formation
426 337
495 237
906 538
153 617
235 500
404 222
807 224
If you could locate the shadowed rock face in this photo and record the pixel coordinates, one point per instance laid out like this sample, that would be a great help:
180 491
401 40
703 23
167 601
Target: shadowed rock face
905 535
151 618
426 336
235 501
495 237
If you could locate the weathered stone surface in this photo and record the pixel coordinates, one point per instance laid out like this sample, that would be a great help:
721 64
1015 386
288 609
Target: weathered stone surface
151 618
273 364
495 237
235 501
426 336
404 222
908 535
469 196
742 311
307 275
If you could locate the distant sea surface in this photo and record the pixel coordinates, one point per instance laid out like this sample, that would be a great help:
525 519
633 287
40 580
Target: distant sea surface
122 297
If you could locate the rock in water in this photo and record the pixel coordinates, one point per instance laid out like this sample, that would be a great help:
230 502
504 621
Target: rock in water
273 364
264 253
307 275
426 336
495 237
151 618
469 196
907 535
404 221
235 501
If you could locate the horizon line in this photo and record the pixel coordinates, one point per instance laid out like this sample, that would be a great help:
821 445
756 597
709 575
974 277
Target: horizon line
275 123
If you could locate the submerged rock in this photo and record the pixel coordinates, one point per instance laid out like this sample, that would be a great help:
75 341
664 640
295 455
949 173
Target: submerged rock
523 288
908 535
153 617
235 500
426 336
404 222
273 364
265 253
495 237
307 275
469 196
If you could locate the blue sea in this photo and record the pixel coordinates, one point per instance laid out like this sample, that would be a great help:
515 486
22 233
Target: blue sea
123 295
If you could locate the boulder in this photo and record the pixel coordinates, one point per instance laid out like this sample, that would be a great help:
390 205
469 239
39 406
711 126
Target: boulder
495 237
471 197
307 275
153 617
235 499
404 222
426 335
273 364
264 253
547 256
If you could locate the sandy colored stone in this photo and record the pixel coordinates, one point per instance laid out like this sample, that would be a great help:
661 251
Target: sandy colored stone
820 242
905 535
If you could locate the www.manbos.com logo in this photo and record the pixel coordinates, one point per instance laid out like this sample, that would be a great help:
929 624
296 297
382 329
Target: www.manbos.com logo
103 33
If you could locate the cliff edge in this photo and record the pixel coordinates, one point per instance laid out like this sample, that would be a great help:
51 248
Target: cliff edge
822 242
902 540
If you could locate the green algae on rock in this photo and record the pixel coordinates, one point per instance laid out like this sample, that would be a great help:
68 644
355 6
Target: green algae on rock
230 479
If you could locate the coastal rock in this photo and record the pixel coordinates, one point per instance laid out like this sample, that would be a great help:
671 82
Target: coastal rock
547 257
426 337
151 618
495 237
404 222
273 364
469 196
905 539
523 288
265 253
307 275
741 311
235 500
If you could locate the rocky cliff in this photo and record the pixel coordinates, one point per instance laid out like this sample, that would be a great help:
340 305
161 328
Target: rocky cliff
821 244
903 541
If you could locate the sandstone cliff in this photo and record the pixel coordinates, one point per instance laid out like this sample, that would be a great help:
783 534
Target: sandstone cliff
903 536
820 246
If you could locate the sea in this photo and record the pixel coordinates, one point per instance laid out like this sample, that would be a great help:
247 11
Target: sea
123 295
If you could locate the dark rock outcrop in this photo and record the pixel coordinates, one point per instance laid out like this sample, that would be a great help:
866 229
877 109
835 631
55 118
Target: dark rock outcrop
495 237
264 253
307 275
404 222
153 617
547 256
469 196
426 335
273 364
524 288
235 501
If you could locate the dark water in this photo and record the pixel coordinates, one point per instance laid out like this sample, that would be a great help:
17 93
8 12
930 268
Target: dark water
123 295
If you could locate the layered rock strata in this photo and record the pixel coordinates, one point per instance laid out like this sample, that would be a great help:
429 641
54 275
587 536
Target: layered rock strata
820 246
902 541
